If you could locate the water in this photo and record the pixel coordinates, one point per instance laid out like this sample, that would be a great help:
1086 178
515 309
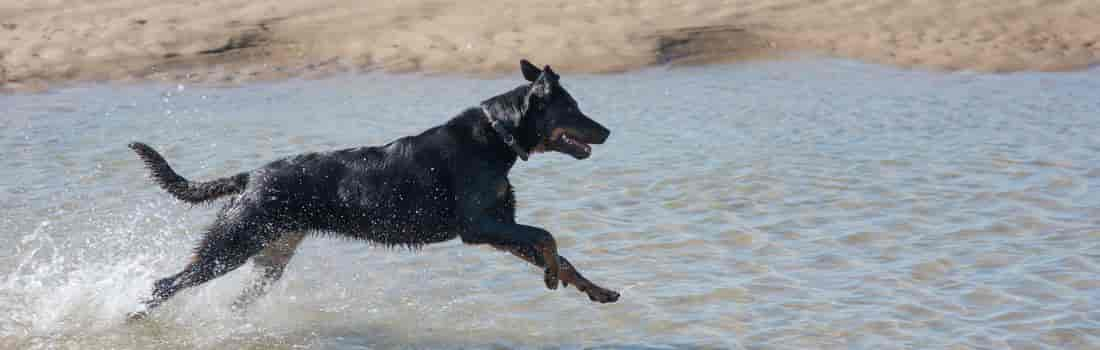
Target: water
807 204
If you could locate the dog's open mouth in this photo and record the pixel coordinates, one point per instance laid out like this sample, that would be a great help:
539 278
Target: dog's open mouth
563 141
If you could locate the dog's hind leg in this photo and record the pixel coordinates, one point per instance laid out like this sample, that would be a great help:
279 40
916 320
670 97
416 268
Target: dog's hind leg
569 274
226 246
271 261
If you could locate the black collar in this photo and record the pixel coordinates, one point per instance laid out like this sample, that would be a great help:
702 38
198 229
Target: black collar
506 136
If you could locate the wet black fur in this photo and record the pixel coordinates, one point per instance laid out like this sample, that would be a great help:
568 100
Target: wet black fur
191 192
450 181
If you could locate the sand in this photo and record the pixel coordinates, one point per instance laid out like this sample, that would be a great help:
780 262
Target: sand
43 42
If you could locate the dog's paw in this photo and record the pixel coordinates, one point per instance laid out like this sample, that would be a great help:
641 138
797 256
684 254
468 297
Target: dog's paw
601 295
550 276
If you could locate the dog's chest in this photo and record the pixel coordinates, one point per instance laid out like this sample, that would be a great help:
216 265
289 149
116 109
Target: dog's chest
503 189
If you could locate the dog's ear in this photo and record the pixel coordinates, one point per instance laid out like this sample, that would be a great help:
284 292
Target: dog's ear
539 89
545 82
550 75
530 72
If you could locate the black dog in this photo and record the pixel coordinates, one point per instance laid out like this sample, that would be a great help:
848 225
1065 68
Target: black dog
449 181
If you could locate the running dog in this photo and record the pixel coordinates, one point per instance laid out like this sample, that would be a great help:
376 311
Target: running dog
449 181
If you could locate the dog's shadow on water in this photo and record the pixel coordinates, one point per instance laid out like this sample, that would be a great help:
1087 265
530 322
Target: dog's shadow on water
170 334
647 347
391 338
384 337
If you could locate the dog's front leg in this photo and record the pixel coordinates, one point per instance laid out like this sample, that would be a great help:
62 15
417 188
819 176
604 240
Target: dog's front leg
492 231
569 274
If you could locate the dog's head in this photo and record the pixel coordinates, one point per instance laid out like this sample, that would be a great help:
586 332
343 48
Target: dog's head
542 116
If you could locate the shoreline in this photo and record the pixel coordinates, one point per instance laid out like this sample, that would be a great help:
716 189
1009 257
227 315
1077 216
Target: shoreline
232 42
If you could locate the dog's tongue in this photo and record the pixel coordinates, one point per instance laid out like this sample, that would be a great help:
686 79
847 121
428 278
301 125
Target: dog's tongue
586 147
583 146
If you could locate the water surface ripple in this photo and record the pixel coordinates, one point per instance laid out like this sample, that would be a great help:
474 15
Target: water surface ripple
790 205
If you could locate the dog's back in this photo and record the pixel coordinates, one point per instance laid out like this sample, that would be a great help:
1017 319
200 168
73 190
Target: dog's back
398 194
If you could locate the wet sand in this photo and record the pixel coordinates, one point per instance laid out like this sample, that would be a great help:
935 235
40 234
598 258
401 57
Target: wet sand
234 41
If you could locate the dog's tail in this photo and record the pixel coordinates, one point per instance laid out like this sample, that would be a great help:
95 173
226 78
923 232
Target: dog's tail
181 188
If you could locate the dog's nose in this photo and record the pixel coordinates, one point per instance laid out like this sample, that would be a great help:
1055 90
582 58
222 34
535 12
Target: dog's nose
602 135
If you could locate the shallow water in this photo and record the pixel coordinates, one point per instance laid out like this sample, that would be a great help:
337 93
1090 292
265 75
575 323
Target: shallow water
806 204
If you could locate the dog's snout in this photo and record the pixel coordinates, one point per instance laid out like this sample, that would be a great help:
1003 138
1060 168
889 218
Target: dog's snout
597 133
602 134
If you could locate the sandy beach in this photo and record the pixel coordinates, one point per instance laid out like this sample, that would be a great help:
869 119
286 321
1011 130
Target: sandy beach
44 42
